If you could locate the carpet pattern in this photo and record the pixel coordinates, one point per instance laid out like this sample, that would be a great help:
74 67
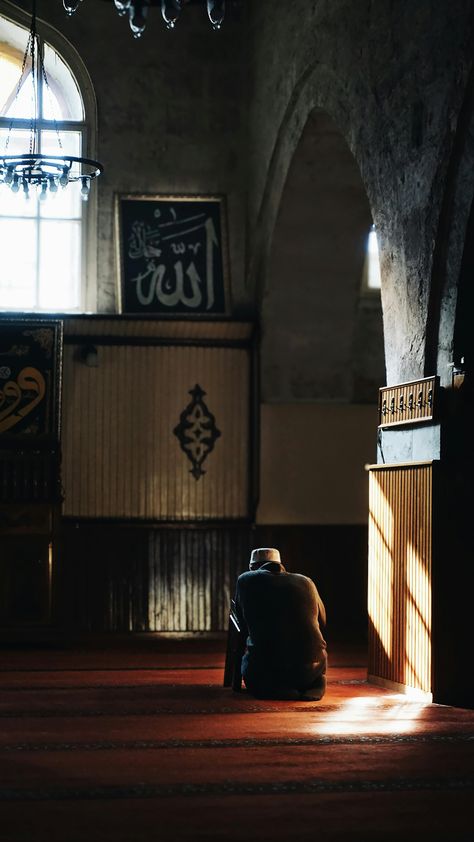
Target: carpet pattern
127 743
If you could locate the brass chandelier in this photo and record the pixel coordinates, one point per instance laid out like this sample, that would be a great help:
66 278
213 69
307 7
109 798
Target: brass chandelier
34 169
137 12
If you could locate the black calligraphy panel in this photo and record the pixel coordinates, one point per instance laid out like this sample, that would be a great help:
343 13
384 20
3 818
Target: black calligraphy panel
29 378
172 255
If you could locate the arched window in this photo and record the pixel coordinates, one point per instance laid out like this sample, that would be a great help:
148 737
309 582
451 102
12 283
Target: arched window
42 247
371 278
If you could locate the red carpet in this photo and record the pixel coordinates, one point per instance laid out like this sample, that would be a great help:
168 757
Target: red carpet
138 740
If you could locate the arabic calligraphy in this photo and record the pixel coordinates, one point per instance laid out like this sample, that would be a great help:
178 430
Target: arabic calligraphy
18 398
44 337
172 257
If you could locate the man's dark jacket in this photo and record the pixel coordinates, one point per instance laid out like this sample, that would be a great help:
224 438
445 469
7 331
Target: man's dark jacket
280 613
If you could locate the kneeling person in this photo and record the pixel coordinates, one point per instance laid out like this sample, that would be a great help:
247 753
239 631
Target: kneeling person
280 613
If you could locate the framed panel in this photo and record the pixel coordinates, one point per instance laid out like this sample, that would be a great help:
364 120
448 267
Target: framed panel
30 377
172 255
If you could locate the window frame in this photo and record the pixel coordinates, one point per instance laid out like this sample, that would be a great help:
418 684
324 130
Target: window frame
88 129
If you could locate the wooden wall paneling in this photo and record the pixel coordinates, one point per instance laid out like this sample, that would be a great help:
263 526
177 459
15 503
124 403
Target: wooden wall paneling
103 582
335 557
123 464
400 575
173 583
194 571
121 457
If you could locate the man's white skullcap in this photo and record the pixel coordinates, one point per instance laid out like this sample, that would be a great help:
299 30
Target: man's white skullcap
263 554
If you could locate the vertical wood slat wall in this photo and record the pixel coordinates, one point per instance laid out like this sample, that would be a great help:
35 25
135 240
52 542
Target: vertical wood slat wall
121 458
126 578
211 560
400 574
145 545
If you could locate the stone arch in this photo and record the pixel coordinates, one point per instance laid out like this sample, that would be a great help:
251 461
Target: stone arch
322 337
420 208
317 88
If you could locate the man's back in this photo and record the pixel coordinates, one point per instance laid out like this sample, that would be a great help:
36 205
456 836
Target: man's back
281 613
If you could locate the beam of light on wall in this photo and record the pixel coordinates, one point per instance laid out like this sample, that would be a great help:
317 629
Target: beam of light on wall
418 621
387 714
380 586
374 280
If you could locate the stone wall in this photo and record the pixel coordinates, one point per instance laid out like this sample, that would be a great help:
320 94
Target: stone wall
170 117
393 77
197 111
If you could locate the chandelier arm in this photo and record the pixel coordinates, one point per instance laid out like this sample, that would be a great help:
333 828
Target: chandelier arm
33 164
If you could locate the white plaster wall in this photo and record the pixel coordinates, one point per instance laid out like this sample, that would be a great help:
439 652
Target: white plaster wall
312 460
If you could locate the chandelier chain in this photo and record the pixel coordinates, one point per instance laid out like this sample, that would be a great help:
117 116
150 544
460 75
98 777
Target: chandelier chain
47 88
18 89
34 79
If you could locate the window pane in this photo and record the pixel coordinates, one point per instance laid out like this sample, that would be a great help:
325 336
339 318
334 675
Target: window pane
67 202
13 40
15 204
18 271
25 105
64 101
53 105
60 265
15 142
70 142
10 70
